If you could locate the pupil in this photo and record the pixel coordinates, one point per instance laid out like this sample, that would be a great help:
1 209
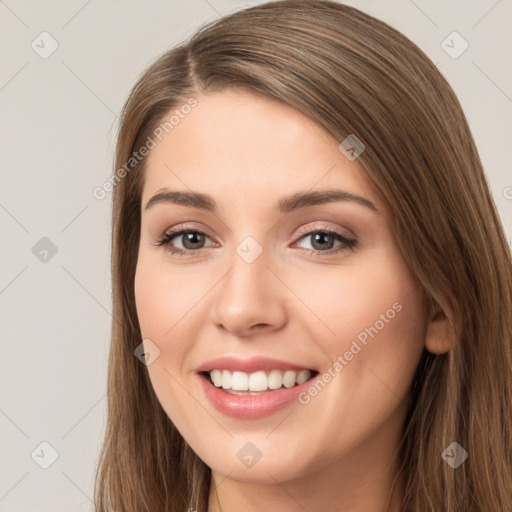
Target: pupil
320 236
189 237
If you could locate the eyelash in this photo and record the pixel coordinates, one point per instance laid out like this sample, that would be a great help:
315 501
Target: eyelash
166 238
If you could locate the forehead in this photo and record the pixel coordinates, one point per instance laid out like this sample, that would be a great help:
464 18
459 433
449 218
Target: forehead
249 148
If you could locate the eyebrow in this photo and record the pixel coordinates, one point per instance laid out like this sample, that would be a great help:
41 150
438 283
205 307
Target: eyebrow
283 205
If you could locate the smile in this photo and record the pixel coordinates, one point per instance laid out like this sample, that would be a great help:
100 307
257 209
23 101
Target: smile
252 388
243 383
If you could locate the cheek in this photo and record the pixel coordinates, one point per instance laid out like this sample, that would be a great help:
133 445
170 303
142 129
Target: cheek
373 325
161 312
371 315
166 316
375 292
166 301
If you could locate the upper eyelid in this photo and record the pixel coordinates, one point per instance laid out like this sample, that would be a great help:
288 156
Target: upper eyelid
315 229
182 227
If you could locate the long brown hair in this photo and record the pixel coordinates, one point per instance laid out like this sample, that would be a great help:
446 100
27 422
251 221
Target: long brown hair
352 74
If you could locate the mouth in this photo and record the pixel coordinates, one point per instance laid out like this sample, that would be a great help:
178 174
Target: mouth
259 382
255 387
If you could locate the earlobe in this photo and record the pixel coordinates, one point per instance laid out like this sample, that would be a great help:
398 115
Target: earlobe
440 336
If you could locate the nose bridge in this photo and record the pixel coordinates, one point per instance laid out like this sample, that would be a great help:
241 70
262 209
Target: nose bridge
248 294
249 267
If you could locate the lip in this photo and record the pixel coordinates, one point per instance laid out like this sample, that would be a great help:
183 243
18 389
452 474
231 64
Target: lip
251 365
250 406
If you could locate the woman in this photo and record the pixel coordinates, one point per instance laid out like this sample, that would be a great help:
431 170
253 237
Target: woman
312 288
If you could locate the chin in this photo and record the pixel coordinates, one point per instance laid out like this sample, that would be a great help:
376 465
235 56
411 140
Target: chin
259 461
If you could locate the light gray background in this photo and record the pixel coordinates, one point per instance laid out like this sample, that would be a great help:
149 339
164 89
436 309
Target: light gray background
58 122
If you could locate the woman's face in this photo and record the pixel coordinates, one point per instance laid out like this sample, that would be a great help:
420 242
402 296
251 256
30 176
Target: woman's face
263 287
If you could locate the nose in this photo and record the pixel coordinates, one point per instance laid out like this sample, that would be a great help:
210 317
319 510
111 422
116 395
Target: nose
249 298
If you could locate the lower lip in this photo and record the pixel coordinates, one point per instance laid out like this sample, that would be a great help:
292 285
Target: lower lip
251 406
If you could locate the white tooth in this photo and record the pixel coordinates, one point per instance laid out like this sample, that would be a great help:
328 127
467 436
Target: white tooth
258 381
216 376
303 376
289 378
275 379
226 379
240 381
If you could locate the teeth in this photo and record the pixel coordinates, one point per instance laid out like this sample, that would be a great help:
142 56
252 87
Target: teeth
303 376
226 379
240 381
258 381
216 376
275 379
289 379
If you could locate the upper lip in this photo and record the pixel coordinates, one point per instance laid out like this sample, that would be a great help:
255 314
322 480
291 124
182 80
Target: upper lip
250 365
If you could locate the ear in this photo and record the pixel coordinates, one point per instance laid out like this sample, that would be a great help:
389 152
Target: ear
440 336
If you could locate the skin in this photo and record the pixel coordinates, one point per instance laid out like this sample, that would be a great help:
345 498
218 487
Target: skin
336 452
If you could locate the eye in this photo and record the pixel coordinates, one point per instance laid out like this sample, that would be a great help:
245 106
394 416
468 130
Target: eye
323 240
191 239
